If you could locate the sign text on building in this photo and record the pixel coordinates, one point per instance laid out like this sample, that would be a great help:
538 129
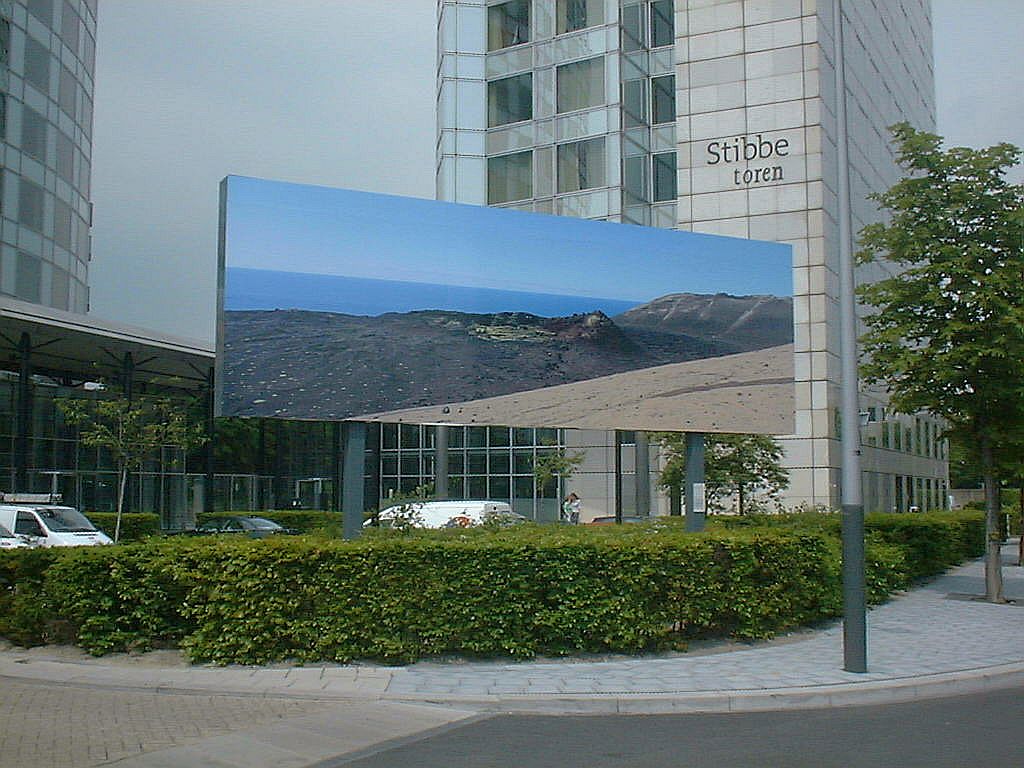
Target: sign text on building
748 149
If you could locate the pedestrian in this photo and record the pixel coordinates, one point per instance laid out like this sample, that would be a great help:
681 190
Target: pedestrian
571 509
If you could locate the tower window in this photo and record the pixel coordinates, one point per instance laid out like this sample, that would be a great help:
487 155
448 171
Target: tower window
579 14
510 100
37 65
508 24
664 177
662 23
582 165
581 84
663 99
510 177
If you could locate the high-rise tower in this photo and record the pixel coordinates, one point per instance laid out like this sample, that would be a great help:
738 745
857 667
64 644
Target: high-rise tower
715 116
47 60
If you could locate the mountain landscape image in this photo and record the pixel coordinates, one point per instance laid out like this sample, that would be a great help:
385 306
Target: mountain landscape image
300 363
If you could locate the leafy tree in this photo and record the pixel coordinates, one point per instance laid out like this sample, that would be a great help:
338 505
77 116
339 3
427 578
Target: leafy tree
740 464
964 471
948 334
131 431
552 465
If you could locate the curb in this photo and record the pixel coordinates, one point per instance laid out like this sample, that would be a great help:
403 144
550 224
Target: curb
890 691
893 691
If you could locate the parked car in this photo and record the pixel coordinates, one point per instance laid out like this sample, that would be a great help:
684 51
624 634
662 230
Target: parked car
41 522
610 520
253 527
448 514
9 541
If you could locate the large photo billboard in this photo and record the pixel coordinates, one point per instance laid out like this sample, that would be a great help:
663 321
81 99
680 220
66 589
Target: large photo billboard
337 304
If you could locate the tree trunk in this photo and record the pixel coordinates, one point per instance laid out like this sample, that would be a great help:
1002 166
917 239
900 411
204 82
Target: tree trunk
120 502
1020 541
740 494
993 546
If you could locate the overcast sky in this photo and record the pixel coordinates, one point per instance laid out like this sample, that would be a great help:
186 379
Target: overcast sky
342 94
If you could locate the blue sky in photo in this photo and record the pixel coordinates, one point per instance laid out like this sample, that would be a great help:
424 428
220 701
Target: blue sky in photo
311 230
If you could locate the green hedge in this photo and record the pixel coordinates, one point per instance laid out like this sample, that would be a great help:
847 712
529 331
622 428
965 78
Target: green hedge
519 592
399 598
302 520
931 541
134 525
1009 516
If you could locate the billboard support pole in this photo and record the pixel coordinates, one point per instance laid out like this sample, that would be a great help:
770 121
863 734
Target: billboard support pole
353 500
854 606
441 462
695 499
128 388
337 465
618 476
23 415
643 475
211 434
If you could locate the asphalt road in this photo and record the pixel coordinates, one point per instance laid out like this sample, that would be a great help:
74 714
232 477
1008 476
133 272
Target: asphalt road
959 732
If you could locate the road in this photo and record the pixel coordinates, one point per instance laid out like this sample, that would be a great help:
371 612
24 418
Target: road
986 729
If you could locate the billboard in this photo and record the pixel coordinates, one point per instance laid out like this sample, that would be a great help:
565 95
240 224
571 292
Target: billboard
337 304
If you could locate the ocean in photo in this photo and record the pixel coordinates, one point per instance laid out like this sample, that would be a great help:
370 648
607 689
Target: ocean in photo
262 289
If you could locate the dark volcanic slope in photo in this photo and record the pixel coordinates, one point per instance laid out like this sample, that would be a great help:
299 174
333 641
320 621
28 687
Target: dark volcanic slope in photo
301 364
745 322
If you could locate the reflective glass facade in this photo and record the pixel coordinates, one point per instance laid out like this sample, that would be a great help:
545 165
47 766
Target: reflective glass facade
46 106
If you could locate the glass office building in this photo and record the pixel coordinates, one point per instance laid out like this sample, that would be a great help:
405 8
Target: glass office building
50 348
712 116
48 50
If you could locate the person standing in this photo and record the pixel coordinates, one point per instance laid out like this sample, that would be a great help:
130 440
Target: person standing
571 509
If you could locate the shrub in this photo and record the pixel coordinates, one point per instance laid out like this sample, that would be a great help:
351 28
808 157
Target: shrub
24 617
931 541
134 525
401 596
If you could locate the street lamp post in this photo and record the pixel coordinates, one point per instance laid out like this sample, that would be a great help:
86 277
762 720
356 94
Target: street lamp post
854 606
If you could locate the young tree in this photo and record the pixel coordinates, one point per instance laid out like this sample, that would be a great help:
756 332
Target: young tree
131 432
948 334
554 464
739 464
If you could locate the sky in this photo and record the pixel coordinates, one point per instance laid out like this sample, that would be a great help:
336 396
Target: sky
190 91
320 230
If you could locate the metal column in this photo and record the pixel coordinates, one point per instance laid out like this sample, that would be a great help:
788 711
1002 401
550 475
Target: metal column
128 389
23 416
441 461
337 465
696 509
618 476
261 466
353 500
211 428
643 475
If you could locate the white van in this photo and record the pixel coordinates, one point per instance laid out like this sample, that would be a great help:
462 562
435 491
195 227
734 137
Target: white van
41 522
448 514
9 541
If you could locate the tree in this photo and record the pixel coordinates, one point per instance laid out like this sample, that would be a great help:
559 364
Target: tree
740 464
131 431
948 333
554 464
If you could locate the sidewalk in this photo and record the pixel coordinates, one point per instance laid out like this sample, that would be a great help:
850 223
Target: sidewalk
932 641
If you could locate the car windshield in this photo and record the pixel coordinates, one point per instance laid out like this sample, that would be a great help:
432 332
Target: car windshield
260 524
5 534
64 519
